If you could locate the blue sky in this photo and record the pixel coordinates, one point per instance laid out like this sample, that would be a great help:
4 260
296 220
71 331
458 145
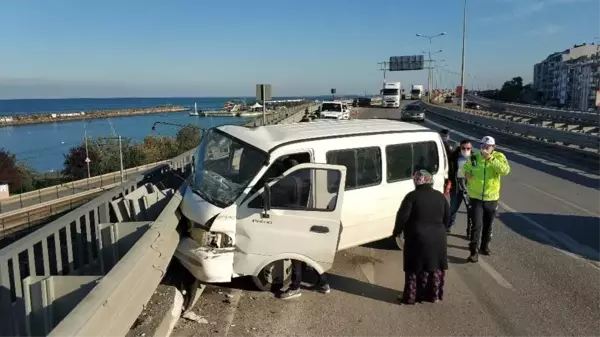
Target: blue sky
110 48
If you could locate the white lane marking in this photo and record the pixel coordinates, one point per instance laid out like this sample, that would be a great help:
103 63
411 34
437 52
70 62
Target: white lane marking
526 155
368 270
237 294
494 274
561 200
558 239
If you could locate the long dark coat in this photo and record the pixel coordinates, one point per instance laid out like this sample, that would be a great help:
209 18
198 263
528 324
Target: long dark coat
423 217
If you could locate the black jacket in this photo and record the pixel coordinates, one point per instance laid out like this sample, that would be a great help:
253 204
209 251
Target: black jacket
423 218
453 166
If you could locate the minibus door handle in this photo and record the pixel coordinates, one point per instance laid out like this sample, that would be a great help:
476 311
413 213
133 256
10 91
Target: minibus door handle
319 229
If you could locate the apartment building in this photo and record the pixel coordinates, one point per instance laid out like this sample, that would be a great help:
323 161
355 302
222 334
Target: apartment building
570 78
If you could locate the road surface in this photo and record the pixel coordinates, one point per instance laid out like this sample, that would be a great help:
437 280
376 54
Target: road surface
60 191
542 278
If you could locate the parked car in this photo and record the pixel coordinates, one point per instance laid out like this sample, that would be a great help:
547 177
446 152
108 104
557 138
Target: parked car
448 99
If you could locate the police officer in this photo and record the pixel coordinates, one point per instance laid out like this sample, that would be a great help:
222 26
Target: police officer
483 171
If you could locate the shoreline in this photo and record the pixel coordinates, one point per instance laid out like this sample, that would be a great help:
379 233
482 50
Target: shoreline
47 118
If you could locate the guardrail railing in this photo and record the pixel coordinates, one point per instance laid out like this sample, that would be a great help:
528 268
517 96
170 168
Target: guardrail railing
70 188
68 246
72 246
551 135
584 116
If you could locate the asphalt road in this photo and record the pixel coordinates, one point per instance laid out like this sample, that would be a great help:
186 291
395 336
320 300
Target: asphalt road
542 278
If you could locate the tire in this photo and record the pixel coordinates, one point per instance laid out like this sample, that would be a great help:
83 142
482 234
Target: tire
274 276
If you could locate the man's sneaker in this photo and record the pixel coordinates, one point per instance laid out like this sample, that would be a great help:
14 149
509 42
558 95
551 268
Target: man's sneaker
473 258
323 289
290 293
448 231
485 251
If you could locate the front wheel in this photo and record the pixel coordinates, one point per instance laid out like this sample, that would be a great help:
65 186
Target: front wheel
274 276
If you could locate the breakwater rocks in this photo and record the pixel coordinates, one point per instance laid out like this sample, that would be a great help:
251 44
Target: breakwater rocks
92 114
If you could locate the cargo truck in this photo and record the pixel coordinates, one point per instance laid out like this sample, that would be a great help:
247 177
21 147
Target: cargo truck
416 91
390 94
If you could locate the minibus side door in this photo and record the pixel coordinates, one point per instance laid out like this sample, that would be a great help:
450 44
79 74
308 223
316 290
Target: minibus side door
300 219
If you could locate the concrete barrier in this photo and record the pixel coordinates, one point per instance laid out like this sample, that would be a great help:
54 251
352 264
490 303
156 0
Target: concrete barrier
551 135
589 117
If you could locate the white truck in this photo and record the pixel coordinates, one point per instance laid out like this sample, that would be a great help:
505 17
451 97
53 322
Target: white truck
416 91
391 94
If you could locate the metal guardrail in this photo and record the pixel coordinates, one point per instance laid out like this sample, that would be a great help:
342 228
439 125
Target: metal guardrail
279 116
68 246
550 135
28 217
116 302
589 117
71 188
72 246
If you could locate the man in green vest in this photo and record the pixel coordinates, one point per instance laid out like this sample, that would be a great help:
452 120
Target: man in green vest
483 171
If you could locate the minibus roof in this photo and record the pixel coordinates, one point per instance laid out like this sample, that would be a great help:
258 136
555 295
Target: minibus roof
267 138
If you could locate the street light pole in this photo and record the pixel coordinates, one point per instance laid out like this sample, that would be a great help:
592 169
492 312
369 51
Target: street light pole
430 64
121 158
462 67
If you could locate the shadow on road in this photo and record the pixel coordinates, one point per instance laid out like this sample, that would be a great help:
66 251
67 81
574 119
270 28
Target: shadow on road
363 289
383 244
579 235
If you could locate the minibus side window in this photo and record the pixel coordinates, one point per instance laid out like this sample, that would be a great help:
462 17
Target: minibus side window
403 160
294 191
277 168
363 166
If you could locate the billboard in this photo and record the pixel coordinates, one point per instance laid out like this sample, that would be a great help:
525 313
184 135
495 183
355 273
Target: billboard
404 63
263 92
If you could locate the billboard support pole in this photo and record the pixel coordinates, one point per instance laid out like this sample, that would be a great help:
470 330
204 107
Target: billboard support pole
462 68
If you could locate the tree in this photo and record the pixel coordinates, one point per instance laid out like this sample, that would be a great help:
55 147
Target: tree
110 157
13 173
512 90
75 166
188 138
158 148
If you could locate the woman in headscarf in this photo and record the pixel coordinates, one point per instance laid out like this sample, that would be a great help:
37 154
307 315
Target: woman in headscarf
423 217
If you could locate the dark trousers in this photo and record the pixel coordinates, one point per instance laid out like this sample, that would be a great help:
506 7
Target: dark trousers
297 268
483 214
456 198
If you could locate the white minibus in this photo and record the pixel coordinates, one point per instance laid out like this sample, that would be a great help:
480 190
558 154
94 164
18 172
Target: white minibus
260 197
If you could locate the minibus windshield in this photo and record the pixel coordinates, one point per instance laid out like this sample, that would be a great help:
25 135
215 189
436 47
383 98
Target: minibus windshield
224 167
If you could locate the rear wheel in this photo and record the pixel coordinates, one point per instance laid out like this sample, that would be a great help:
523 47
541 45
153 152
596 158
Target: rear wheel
274 276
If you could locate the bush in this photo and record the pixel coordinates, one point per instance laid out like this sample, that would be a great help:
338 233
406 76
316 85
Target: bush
188 138
158 148
15 174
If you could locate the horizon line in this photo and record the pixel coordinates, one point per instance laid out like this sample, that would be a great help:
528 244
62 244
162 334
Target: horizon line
173 97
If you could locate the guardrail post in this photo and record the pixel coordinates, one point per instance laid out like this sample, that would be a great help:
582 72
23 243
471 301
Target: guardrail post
57 192
40 195
21 199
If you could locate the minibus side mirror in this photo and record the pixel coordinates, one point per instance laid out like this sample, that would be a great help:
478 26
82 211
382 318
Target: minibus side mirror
266 196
